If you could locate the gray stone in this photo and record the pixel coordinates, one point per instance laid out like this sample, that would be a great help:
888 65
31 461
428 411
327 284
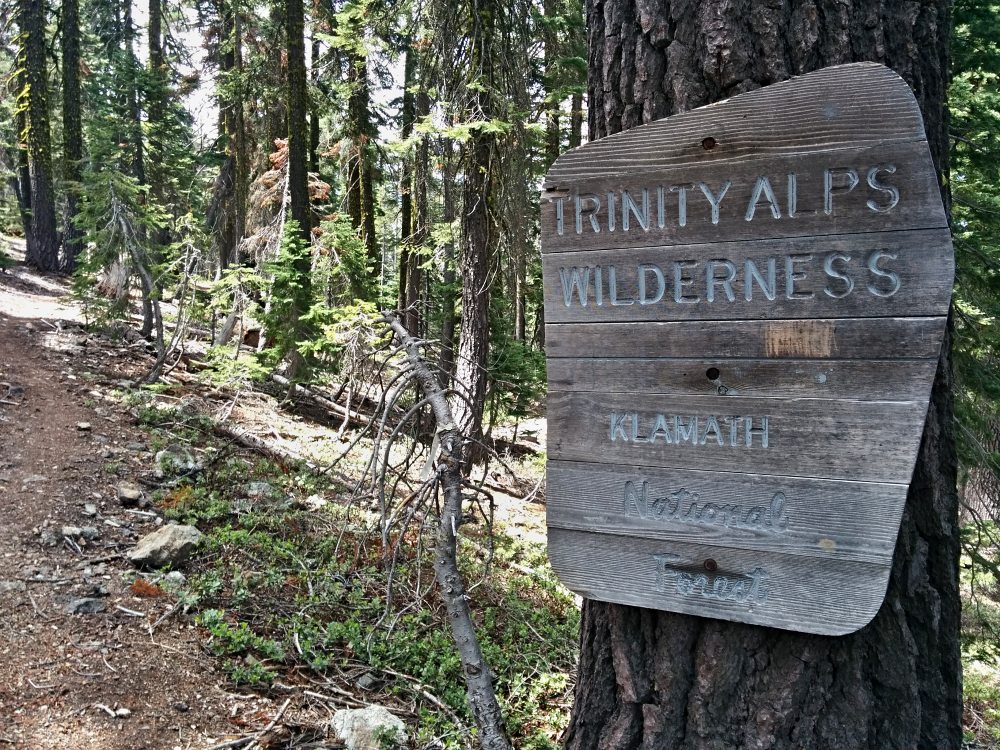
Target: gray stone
174 460
372 728
129 494
83 426
73 532
84 606
175 578
89 510
9 587
169 545
89 533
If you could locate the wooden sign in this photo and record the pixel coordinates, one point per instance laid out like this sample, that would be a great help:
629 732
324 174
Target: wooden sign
744 309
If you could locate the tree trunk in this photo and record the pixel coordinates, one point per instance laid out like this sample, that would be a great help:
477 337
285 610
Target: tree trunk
360 173
21 180
550 38
134 111
298 109
275 119
43 238
446 360
227 212
650 679
72 130
479 239
314 113
298 176
156 97
421 219
408 114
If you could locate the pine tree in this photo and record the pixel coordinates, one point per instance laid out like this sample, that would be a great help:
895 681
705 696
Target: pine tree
72 130
657 679
43 237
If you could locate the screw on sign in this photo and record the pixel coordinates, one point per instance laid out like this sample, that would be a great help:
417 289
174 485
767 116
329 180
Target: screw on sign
725 293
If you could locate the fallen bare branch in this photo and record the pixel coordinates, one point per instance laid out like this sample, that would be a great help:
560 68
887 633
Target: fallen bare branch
478 676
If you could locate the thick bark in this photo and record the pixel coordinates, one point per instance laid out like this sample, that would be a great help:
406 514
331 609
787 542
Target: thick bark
72 130
650 679
478 249
298 177
227 212
479 241
43 237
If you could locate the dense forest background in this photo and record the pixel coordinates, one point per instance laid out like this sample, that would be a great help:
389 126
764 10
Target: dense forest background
308 164
265 178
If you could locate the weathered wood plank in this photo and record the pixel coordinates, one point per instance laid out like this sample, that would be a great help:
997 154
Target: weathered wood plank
882 274
840 106
837 338
862 380
816 518
878 188
744 306
859 440
830 597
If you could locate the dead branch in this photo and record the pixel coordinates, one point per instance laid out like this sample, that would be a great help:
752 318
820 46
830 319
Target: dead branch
249 440
478 676
353 417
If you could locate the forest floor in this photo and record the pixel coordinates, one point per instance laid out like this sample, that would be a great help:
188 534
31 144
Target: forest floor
103 679
90 655
91 680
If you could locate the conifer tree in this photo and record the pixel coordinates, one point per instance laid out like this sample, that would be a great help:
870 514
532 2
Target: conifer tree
42 237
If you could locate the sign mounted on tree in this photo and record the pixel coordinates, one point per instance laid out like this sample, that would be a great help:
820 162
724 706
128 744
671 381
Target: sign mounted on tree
744 309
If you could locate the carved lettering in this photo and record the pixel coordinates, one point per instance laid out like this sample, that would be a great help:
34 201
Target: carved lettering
834 186
750 589
876 287
856 188
684 507
890 190
800 276
713 199
711 431
763 187
848 283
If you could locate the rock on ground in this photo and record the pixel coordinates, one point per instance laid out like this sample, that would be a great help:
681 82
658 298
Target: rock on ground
372 728
168 545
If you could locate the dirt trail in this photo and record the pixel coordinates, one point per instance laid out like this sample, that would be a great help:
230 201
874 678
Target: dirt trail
62 676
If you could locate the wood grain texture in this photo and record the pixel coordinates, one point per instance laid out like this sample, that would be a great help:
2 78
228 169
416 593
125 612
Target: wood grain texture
847 106
778 263
860 338
816 518
918 207
842 276
830 597
860 380
861 440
